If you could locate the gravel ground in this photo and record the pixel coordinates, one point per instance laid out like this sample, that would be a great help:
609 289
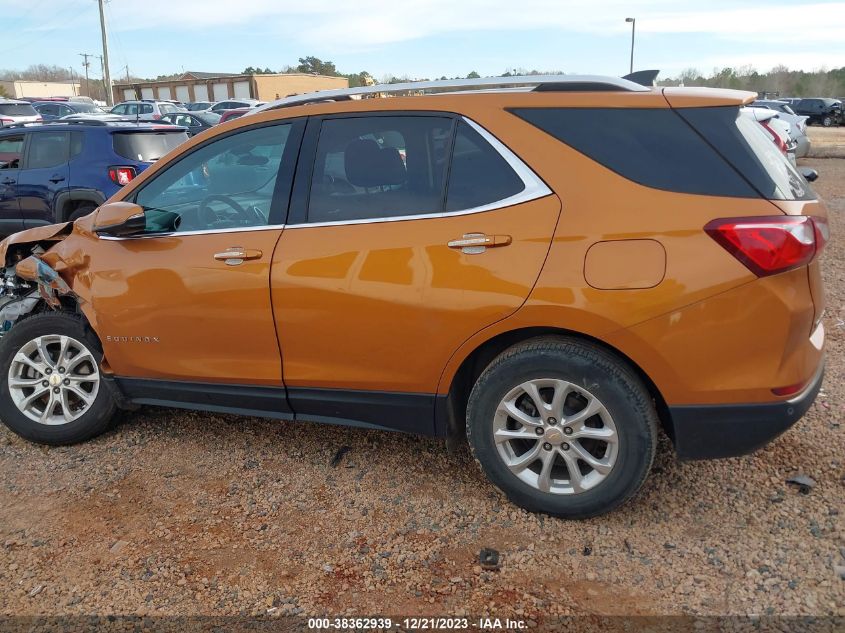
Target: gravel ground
181 513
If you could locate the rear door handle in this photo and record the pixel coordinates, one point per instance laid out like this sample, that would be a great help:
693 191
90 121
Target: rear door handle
8 181
235 255
56 179
475 243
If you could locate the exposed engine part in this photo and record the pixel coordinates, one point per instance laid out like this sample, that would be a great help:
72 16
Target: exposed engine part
11 285
13 308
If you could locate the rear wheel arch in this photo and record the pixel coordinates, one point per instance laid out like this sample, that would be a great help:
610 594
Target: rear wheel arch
72 201
480 358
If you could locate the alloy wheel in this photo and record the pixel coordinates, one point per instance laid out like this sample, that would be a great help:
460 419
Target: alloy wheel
53 379
555 436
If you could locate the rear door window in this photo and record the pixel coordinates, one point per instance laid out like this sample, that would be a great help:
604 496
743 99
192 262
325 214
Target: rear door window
47 149
379 166
146 146
479 175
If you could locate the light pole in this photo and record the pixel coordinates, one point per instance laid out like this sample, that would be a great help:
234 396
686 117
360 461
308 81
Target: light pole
633 22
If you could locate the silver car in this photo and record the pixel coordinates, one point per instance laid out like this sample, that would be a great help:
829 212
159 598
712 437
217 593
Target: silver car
17 112
797 123
145 110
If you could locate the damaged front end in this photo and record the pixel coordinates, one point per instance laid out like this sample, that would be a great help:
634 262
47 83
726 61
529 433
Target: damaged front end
31 279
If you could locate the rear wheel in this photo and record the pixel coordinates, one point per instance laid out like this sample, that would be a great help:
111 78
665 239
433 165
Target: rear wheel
52 389
562 427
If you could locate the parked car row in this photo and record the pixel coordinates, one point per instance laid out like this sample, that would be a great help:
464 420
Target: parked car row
62 170
824 111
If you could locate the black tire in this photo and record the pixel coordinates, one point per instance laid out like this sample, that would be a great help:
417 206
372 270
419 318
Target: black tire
610 380
81 211
94 421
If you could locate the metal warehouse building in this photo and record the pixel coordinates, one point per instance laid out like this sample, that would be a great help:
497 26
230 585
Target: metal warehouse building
194 86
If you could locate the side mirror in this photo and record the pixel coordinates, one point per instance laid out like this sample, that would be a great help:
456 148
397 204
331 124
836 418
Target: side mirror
811 175
119 219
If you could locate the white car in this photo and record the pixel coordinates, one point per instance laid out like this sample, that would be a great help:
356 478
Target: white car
12 112
778 130
145 110
797 122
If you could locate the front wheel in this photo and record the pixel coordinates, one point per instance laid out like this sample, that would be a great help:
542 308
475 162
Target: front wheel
51 387
562 427
827 121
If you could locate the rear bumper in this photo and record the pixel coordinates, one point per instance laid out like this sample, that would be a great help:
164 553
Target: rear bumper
714 431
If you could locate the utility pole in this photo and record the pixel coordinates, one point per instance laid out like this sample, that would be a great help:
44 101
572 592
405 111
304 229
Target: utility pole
103 71
105 58
86 63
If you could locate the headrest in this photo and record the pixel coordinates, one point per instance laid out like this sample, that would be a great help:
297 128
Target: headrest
368 165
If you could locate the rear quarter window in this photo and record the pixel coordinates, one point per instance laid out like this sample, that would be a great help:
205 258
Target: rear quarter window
652 147
705 151
146 146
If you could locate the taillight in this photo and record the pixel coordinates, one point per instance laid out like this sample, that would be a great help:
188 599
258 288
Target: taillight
775 137
39 119
156 117
4 121
121 175
769 245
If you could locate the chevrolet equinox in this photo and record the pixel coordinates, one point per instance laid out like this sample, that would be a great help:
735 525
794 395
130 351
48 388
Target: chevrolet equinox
557 267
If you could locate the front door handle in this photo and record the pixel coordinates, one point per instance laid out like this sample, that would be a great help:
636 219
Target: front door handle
235 255
8 181
56 179
475 243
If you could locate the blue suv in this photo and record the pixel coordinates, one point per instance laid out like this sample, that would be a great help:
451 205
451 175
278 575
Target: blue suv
60 171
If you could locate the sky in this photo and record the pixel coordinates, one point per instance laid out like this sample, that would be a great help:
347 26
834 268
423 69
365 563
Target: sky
426 38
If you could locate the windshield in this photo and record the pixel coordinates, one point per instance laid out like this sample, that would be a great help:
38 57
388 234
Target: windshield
146 146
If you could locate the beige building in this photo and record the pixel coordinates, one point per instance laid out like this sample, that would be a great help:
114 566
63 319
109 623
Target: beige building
42 89
194 86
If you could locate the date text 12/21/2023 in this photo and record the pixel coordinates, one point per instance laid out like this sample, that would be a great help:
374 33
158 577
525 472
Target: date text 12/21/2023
418 623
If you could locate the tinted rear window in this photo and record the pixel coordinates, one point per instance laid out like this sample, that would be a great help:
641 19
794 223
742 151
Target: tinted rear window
652 147
706 151
17 109
740 141
146 146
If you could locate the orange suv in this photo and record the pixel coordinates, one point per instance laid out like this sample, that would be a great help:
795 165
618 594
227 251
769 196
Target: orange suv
555 266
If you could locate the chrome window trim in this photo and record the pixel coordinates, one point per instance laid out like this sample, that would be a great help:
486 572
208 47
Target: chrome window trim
534 189
149 236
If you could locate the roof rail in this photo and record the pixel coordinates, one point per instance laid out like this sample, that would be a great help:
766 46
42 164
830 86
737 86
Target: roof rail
583 83
93 122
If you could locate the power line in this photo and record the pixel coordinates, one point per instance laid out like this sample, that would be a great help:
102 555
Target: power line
61 23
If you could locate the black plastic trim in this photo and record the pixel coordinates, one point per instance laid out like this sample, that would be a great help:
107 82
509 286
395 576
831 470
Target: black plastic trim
730 430
241 399
388 411
392 411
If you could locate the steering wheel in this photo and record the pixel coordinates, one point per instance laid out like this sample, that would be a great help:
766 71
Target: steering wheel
208 216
